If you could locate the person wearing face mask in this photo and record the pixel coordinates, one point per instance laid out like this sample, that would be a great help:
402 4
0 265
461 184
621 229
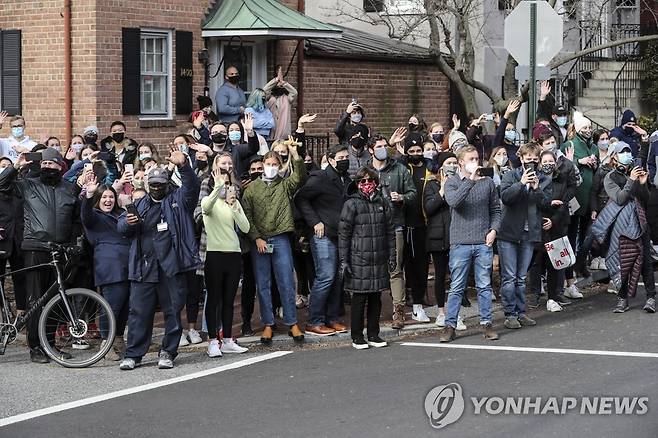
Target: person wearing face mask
90 135
585 156
163 249
417 124
629 132
438 231
476 137
280 96
106 171
623 225
500 163
53 142
475 221
206 105
557 115
348 122
118 144
398 189
232 142
230 98
430 156
146 151
11 231
100 213
320 202
415 255
263 118
267 202
76 145
52 214
367 253
437 136
17 143
506 135
359 155
524 192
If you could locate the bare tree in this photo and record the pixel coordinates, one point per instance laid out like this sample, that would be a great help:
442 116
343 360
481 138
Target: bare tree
455 54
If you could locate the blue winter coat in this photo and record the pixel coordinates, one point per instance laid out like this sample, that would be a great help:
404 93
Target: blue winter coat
177 209
111 249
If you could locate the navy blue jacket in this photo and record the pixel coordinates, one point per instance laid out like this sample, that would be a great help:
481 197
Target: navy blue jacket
177 208
111 249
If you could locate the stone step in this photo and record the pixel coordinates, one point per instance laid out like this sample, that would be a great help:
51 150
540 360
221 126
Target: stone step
604 93
597 102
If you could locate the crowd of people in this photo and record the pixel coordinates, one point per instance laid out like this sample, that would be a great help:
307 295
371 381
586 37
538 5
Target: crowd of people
237 202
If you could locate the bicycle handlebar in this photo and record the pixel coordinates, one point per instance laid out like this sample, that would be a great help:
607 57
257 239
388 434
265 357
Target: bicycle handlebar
63 248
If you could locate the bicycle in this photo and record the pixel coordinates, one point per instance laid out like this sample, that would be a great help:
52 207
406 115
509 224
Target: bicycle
67 316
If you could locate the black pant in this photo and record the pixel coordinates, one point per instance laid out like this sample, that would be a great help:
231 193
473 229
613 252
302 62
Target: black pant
374 310
304 270
441 261
37 283
554 279
416 263
194 287
578 227
16 263
248 291
222 273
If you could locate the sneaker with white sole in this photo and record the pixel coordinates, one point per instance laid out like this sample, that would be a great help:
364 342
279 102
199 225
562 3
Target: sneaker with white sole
128 364
214 349
553 306
602 266
460 324
229 346
441 320
611 289
195 337
183 340
165 361
572 292
419 314
377 342
360 344
594 264
80 344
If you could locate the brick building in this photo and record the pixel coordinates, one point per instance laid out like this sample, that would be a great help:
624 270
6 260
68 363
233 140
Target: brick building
143 62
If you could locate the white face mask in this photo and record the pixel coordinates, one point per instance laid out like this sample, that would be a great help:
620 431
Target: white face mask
501 160
470 167
271 172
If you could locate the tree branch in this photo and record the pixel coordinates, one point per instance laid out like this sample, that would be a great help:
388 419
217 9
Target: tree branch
491 94
556 62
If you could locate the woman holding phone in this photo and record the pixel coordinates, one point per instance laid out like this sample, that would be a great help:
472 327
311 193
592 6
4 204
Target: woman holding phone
100 213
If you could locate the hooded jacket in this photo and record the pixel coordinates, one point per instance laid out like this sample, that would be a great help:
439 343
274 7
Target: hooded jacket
583 148
11 213
629 136
129 149
394 177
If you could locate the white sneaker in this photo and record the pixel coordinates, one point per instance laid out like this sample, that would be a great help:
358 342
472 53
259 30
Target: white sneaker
594 265
460 324
493 296
80 344
441 320
213 349
611 289
572 292
553 306
230 346
183 340
602 266
419 314
195 337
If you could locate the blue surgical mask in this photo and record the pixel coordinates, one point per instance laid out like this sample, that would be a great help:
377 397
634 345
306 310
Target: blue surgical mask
356 118
625 158
510 136
17 131
603 144
143 157
562 121
234 136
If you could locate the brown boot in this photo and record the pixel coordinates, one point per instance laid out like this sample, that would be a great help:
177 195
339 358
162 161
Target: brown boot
266 337
320 330
295 333
489 332
340 328
398 316
447 334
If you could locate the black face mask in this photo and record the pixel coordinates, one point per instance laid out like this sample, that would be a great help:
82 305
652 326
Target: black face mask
255 175
118 136
159 192
201 164
358 142
342 166
91 139
415 159
413 127
284 158
218 138
50 177
233 79
309 166
438 138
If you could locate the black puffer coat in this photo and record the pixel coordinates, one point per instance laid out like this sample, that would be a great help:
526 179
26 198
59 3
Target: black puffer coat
366 242
11 213
437 211
560 190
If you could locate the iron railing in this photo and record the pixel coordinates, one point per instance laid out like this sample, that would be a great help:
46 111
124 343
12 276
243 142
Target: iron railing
317 145
627 79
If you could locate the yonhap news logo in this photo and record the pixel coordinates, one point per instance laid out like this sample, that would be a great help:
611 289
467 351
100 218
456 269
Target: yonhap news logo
445 405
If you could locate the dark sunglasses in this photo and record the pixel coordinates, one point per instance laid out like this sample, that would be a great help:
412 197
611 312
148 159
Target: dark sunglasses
366 180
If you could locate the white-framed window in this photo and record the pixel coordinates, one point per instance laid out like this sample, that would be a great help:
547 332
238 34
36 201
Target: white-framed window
156 73
251 61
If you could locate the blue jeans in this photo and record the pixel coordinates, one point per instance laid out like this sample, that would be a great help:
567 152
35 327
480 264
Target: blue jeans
325 295
515 260
461 258
281 260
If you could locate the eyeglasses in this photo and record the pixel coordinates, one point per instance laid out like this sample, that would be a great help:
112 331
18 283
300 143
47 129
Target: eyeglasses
366 180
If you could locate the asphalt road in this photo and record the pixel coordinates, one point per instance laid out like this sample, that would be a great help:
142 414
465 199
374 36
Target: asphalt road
379 392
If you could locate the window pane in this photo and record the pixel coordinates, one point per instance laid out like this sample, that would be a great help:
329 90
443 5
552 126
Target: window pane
157 66
242 59
155 93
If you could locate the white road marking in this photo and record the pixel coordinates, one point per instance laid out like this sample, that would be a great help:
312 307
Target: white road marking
533 349
99 398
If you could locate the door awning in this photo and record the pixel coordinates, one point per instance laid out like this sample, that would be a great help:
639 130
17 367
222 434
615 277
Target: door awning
263 18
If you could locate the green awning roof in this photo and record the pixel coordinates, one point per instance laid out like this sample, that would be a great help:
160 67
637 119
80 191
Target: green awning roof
267 18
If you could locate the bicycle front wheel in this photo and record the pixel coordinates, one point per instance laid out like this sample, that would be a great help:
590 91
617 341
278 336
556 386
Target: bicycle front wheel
78 343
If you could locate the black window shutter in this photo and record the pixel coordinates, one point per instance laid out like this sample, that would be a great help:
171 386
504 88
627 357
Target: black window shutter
131 70
10 73
373 5
183 72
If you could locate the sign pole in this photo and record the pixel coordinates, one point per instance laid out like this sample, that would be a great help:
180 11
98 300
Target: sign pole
532 107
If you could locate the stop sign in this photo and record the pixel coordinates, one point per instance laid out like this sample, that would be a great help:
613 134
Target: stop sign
549 33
